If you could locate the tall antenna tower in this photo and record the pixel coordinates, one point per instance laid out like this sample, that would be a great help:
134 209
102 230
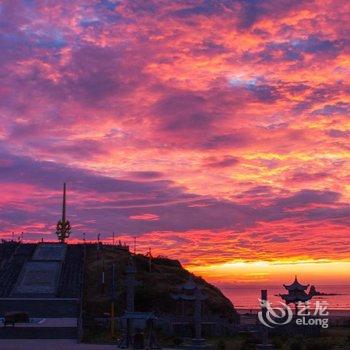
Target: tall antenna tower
63 228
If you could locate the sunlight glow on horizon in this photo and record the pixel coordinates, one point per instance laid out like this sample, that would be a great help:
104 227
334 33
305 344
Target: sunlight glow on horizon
276 272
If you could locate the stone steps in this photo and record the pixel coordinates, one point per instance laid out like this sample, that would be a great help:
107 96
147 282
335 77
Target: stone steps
70 283
6 251
14 263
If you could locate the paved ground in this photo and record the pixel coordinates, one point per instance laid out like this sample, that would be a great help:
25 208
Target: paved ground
46 322
51 344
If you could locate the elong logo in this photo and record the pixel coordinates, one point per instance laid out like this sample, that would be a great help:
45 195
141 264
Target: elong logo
278 316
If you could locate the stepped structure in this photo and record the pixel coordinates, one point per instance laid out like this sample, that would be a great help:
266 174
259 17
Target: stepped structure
40 275
43 281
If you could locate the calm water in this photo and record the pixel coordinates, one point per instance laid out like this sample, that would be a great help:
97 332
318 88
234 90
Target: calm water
247 297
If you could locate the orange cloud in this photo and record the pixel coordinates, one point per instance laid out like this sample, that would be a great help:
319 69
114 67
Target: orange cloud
216 131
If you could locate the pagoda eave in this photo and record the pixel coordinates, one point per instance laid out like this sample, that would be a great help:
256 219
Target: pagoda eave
296 286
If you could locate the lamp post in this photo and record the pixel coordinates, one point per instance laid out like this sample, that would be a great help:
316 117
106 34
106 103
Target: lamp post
113 299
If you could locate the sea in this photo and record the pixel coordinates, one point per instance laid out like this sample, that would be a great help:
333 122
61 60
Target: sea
246 297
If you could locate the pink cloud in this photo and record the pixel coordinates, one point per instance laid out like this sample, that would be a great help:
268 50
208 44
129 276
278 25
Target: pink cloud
215 124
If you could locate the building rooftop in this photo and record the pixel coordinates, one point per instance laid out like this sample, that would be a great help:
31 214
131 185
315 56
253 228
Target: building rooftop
296 286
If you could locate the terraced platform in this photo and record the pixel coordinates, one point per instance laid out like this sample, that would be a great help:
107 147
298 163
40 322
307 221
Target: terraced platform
45 281
39 276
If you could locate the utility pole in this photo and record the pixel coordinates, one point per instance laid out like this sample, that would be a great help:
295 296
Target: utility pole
113 299
103 276
149 255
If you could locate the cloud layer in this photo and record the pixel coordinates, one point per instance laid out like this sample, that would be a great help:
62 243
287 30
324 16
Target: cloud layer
212 130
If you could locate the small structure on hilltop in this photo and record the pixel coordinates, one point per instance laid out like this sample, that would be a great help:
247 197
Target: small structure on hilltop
136 322
192 292
296 293
63 228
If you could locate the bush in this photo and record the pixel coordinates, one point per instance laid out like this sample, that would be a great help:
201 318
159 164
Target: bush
177 341
247 345
278 342
16 317
317 344
296 344
221 345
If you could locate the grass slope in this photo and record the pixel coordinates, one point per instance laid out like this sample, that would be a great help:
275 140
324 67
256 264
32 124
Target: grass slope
154 291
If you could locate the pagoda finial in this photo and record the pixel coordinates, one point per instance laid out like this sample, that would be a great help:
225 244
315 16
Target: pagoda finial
63 227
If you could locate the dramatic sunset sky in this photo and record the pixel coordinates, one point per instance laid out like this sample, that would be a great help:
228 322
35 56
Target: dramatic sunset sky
215 131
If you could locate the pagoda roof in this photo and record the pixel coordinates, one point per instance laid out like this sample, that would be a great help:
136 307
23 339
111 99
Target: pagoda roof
296 286
189 285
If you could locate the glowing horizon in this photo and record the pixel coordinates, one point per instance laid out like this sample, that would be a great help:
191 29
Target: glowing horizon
265 273
217 132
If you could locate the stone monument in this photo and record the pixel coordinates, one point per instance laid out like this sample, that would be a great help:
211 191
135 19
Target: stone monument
191 291
130 284
265 336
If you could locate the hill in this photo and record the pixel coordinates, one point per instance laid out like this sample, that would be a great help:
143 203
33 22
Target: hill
156 284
